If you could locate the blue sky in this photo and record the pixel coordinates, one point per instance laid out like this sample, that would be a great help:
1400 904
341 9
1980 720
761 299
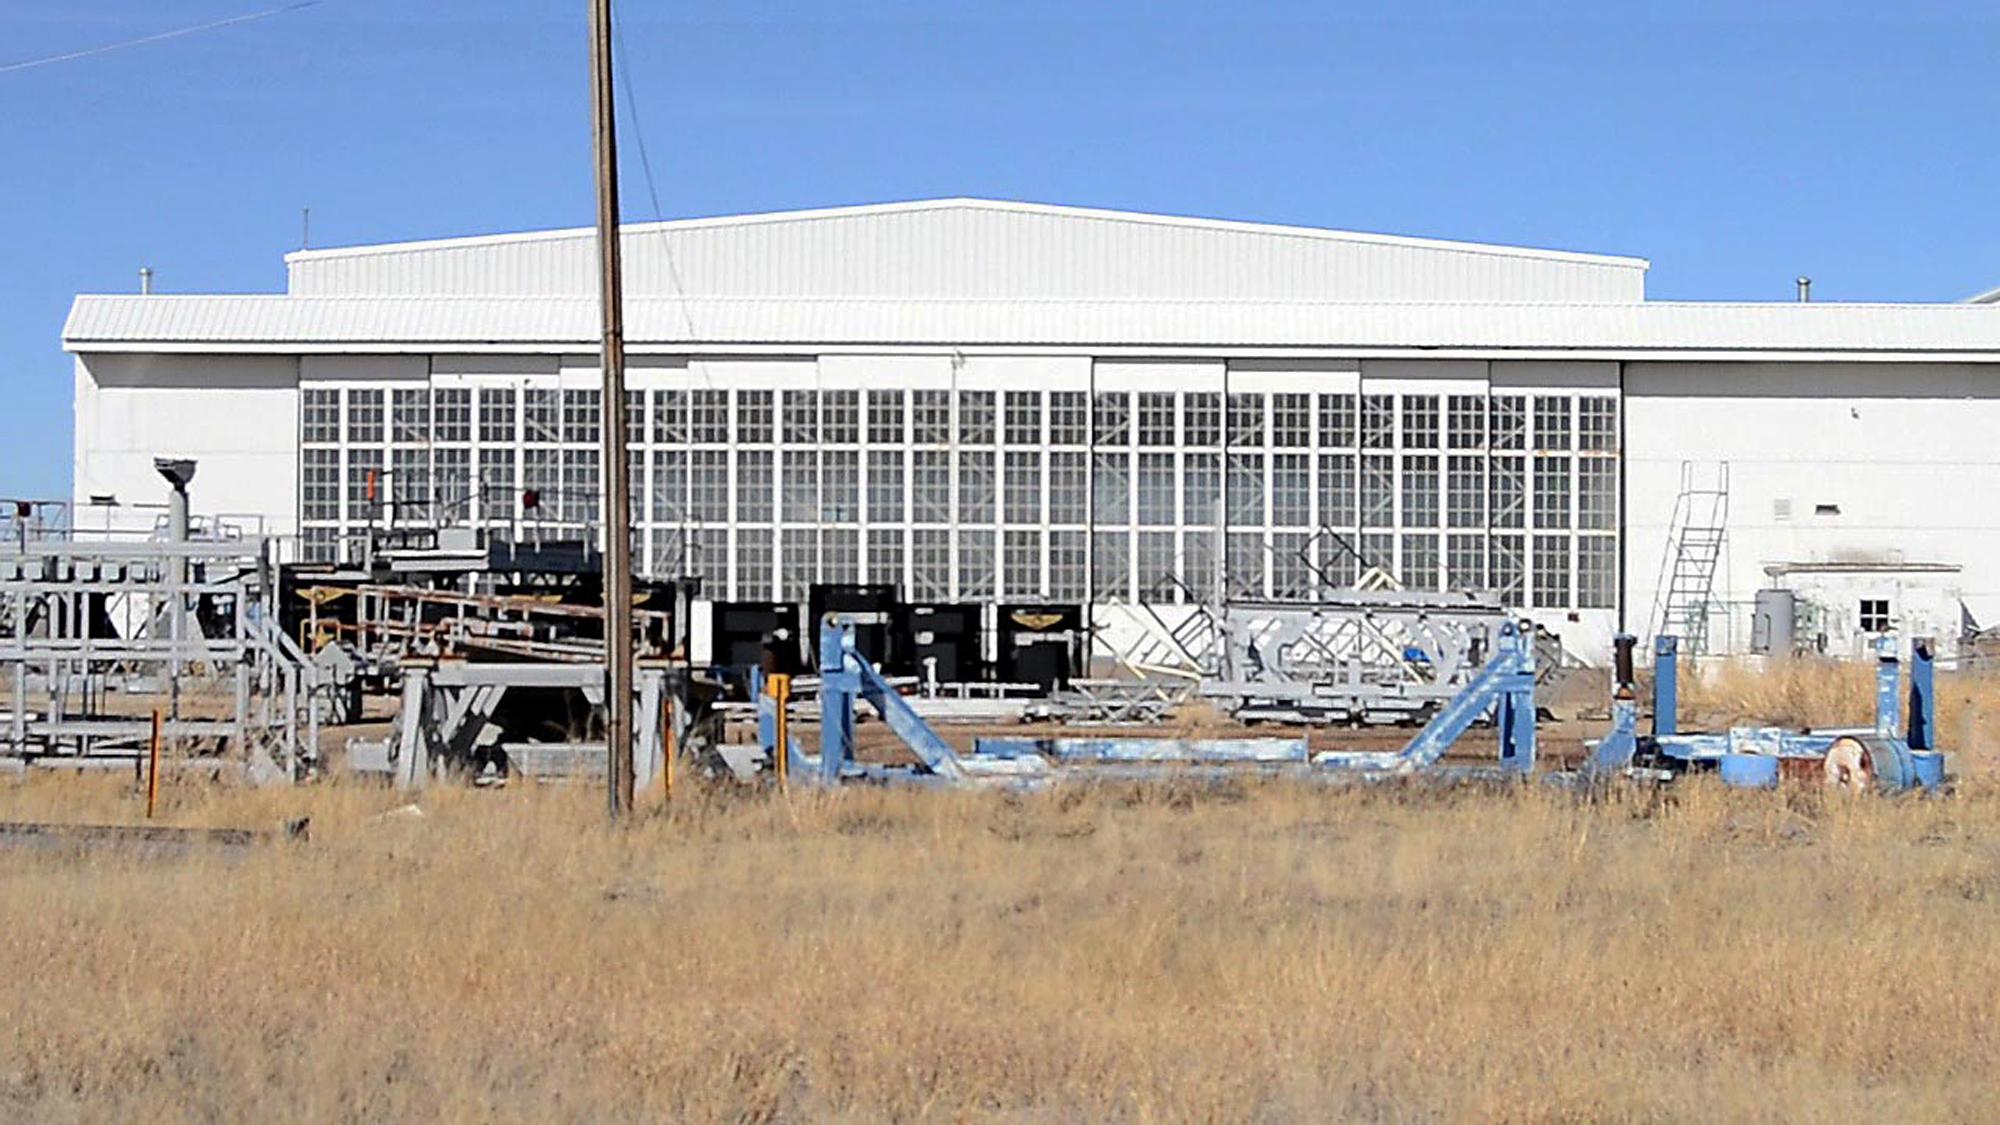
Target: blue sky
1735 145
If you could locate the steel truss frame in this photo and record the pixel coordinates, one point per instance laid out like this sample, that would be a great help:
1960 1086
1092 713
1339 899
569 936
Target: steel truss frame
83 620
1358 656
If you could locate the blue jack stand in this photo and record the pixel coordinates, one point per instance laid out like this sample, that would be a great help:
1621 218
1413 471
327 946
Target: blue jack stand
846 680
846 677
1505 685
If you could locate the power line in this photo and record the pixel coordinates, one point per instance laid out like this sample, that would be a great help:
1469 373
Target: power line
690 526
652 188
107 48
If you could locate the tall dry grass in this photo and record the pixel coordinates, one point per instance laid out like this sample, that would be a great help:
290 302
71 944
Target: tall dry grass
1823 693
1274 952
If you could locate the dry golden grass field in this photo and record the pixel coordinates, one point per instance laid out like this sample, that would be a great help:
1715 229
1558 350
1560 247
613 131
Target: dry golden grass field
1278 952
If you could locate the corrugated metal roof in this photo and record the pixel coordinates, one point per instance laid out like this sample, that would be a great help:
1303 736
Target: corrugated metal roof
281 323
975 249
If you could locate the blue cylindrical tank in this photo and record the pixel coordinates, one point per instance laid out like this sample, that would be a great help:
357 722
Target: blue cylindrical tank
1748 771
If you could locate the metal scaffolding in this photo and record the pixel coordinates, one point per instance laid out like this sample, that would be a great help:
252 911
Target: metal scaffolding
96 635
1361 656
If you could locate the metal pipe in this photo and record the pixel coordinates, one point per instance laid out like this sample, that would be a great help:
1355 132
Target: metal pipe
1621 660
178 474
1805 290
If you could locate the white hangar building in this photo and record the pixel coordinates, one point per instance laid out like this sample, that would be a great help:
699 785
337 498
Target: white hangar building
985 400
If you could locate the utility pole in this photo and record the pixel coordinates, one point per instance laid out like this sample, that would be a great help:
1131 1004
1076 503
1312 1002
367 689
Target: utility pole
617 483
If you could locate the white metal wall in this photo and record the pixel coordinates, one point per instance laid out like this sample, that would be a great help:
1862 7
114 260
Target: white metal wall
1827 462
235 415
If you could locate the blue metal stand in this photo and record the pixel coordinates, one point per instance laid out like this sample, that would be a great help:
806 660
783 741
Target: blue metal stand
839 686
1923 696
1888 673
1666 685
1616 751
846 678
1505 686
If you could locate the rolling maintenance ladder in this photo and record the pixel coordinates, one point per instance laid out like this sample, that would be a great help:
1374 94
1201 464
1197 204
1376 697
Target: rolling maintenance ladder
1695 539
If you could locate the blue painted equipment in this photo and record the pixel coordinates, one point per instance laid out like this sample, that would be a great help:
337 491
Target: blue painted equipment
1666 685
1887 673
1749 756
798 763
1205 750
1615 753
1505 685
847 679
1748 771
1923 696
1929 766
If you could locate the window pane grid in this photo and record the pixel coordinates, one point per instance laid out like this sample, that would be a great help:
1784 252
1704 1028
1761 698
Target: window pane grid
1024 419
1291 420
1201 419
1336 420
1156 484
1465 422
1420 422
319 416
1110 418
975 417
1246 419
886 418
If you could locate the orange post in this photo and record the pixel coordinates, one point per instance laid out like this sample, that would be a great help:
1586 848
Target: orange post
153 768
779 687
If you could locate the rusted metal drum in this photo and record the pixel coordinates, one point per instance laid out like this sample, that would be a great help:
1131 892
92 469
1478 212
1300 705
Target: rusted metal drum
1864 762
1801 770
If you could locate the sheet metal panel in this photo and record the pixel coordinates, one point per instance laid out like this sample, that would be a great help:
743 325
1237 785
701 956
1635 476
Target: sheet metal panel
975 249
278 321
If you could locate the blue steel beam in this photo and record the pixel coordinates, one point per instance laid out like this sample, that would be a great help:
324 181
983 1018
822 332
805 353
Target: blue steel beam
1888 674
1923 697
1666 685
1211 750
839 687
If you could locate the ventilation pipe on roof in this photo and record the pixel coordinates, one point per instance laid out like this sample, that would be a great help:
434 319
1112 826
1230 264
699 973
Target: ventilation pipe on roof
145 281
1805 289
